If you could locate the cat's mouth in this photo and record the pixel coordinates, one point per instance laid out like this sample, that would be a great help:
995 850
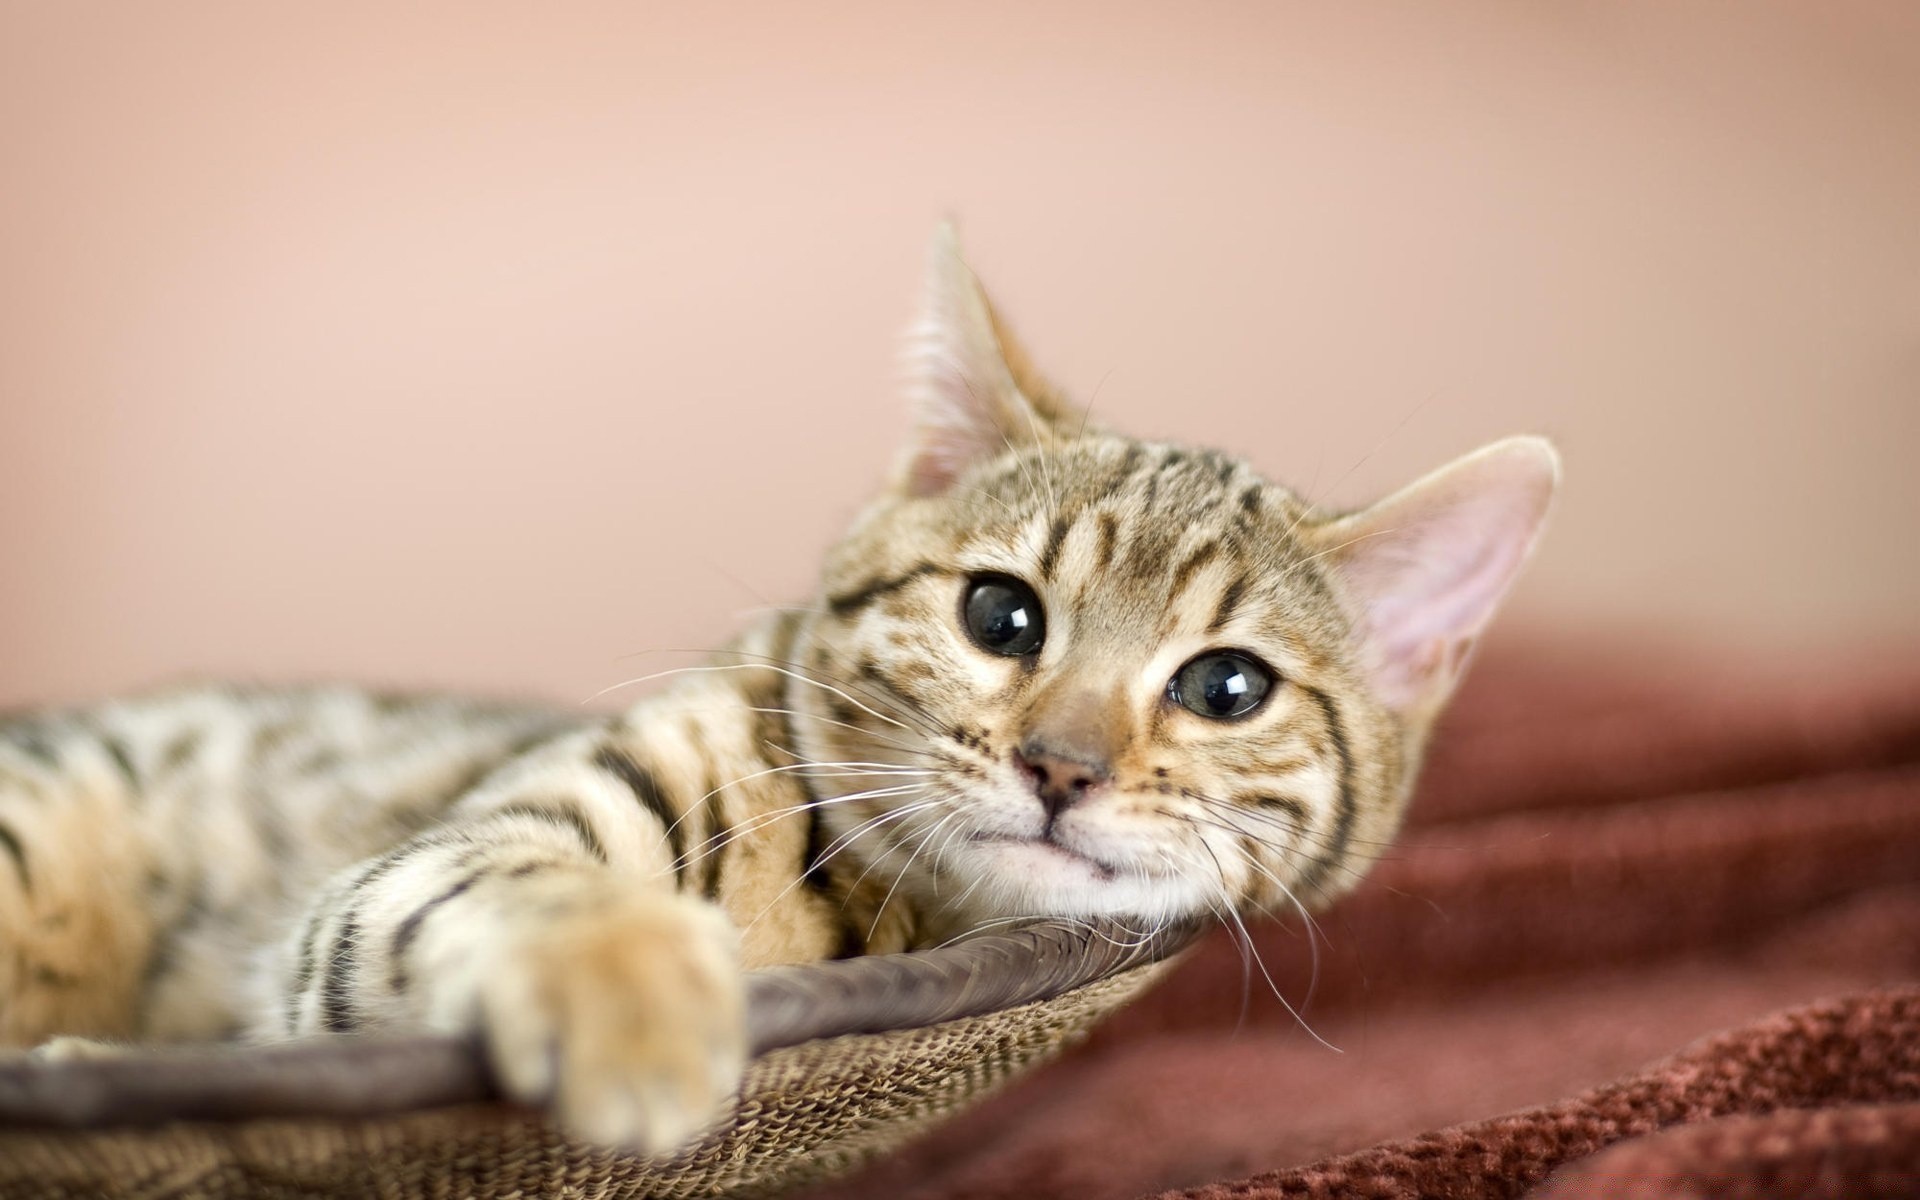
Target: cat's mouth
1049 847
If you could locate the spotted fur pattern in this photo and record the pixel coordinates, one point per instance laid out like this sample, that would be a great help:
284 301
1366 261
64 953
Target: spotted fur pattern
861 775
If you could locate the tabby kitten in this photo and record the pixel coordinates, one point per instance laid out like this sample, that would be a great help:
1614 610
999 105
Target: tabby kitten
1052 670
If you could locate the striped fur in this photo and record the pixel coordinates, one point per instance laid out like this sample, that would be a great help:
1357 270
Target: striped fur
856 776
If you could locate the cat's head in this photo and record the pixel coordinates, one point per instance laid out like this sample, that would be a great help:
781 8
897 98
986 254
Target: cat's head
1094 675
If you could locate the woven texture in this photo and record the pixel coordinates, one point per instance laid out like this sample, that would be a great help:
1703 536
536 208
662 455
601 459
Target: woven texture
1862 1049
1856 1152
804 1112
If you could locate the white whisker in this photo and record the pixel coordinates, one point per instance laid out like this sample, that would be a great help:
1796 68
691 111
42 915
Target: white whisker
762 820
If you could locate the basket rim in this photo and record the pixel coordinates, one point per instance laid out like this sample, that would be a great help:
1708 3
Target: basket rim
360 1076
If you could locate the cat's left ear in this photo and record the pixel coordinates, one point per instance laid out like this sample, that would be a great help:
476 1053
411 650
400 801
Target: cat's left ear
974 391
1423 570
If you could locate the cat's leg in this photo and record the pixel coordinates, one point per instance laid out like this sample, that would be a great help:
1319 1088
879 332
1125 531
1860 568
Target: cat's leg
542 917
75 928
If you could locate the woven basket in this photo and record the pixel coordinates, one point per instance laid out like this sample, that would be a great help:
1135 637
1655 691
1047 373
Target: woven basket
852 1058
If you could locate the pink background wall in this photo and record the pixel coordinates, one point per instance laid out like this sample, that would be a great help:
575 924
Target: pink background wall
483 345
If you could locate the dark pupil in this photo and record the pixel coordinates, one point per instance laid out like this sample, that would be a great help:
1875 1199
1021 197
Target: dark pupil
1004 617
1226 685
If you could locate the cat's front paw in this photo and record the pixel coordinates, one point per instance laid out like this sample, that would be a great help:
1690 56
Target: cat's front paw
627 1018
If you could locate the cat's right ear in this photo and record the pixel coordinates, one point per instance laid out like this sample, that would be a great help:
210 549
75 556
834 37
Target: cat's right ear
1423 570
973 391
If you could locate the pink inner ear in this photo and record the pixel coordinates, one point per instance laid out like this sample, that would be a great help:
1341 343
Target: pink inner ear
937 457
967 405
954 426
1427 568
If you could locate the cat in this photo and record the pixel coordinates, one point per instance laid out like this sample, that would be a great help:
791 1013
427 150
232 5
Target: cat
1051 670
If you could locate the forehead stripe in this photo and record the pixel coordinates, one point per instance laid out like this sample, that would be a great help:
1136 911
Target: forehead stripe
847 603
1229 601
1109 533
1205 553
1050 554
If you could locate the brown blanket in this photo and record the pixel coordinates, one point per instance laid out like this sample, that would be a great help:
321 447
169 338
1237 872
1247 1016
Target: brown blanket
1716 873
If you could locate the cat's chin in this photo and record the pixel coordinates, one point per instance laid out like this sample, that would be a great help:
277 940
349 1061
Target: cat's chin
1041 877
1023 854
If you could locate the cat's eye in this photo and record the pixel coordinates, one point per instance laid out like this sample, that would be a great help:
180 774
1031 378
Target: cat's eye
1221 684
1004 616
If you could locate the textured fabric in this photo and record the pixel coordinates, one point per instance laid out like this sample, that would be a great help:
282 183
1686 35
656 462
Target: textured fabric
1714 871
805 1111
1852 1152
1867 1048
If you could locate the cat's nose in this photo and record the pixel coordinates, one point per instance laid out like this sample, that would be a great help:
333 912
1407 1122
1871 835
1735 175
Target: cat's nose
1060 780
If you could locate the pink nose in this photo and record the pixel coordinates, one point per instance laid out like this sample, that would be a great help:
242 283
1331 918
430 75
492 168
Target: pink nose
1059 780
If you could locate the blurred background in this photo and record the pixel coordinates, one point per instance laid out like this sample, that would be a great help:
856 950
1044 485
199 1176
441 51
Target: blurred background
484 346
